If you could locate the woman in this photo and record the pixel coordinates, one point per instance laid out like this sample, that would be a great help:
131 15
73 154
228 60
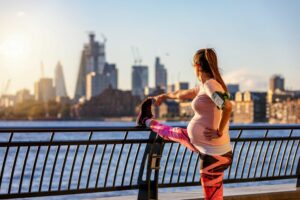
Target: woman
208 131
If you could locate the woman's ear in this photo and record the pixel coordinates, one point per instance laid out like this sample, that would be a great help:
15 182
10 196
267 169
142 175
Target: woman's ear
199 68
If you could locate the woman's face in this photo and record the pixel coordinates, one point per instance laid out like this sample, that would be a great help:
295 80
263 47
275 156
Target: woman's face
197 67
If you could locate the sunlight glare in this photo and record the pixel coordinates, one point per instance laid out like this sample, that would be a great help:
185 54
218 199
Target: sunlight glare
16 46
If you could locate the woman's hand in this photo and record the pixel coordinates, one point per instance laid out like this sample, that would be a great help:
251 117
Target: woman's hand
211 134
159 99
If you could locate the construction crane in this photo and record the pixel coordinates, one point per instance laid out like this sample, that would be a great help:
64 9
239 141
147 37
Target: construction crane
104 38
136 55
42 69
6 87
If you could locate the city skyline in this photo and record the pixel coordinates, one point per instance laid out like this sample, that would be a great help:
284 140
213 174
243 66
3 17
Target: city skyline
250 48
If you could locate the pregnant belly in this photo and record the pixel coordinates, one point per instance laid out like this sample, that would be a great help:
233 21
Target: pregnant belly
195 132
196 129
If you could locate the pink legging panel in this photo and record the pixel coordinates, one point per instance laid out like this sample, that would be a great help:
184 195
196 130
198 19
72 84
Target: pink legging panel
175 134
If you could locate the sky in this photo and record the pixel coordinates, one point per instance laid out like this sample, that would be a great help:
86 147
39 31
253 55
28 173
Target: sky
253 39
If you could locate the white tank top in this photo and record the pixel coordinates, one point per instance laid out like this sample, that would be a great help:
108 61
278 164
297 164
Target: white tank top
207 115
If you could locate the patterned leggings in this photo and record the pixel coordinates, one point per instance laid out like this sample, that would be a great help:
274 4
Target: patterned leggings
211 167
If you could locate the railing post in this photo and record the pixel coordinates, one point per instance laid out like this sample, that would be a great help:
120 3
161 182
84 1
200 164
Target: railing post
148 189
298 174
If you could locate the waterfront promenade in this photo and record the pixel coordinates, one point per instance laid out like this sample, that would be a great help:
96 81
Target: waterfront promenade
50 161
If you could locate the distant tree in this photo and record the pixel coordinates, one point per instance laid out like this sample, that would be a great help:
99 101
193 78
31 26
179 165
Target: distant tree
37 111
64 111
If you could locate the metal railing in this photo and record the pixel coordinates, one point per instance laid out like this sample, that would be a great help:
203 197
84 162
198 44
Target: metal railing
46 161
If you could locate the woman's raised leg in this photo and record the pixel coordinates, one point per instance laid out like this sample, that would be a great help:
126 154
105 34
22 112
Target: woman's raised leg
175 134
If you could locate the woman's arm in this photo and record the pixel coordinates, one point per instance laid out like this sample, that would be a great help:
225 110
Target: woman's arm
213 134
179 94
225 116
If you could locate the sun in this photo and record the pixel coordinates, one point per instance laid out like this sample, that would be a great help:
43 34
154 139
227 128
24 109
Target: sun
14 47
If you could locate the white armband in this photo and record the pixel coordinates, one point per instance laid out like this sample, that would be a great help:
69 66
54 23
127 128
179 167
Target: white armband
219 99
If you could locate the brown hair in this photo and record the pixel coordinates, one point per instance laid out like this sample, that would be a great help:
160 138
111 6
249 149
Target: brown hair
207 59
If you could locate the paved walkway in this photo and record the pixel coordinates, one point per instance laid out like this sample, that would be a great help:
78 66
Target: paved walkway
272 192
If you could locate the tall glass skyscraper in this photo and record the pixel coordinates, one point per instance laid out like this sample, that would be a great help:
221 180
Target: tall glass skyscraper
160 74
139 81
93 65
276 83
60 87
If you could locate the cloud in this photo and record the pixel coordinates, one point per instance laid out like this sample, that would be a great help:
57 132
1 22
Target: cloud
247 80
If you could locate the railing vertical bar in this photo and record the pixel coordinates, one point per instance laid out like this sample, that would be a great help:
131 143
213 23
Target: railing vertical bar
294 158
282 158
100 165
271 158
126 164
83 160
276 158
264 159
134 163
188 167
13 169
244 163
167 161
73 165
195 167
174 162
109 163
181 162
230 166
233 152
63 168
262 145
91 166
119 158
287 161
5 158
45 161
33 167
23 168
53 167
238 160
251 160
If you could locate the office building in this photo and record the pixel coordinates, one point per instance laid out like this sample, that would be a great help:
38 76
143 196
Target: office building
92 60
181 86
276 83
44 90
233 89
111 75
160 74
60 87
139 80
249 107
22 96
95 84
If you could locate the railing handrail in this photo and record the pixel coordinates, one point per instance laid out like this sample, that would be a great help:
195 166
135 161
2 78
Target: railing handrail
133 128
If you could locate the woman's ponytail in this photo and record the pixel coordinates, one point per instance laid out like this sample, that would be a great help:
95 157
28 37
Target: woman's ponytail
211 58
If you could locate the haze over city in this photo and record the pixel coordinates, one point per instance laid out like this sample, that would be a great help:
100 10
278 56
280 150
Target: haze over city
253 39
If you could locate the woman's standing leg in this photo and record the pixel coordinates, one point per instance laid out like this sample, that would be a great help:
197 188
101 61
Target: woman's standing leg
175 134
212 172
